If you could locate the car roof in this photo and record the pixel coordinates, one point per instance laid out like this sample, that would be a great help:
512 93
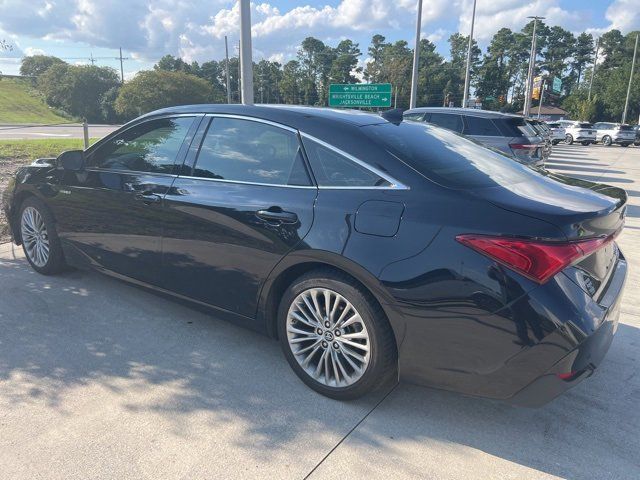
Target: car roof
292 115
472 112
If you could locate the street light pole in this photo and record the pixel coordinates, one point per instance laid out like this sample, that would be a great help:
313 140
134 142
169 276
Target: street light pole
226 51
593 70
467 76
532 63
416 59
246 61
633 66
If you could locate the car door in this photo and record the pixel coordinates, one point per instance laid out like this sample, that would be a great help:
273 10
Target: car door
111 212
243 200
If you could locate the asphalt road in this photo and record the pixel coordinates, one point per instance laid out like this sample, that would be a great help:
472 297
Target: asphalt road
72 130
99 379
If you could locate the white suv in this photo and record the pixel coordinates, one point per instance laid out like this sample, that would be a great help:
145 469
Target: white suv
582 132
610 133
558 132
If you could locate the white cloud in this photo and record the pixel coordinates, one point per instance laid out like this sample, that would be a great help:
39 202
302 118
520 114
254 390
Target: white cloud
624 15
33 51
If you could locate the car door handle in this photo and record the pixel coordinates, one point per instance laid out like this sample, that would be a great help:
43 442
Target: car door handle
148 198
277 215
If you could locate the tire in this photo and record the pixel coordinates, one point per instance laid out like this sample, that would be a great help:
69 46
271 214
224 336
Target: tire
568 139
586 143
606 141
356 375
555 142
624 144
40 241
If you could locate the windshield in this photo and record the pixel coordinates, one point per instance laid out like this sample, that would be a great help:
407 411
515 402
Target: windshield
447 158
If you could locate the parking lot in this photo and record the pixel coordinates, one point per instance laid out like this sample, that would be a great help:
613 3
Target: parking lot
99 379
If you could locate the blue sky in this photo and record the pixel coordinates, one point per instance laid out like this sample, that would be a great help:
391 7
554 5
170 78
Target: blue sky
195 29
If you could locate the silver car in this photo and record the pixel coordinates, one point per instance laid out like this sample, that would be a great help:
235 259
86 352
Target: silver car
610 133
510 134
582 132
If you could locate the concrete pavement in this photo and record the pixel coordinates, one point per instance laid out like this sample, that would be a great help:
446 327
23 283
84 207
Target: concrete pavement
68 130
99 379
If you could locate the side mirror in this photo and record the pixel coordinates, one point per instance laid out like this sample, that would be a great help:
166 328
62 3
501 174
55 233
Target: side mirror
72 160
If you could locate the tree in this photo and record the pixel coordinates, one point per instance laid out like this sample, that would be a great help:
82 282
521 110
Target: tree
36 65
290 83
153 89
78 90
583 55
345 63
376 49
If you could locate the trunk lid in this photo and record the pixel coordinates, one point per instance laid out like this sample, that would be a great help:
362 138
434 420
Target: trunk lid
578 208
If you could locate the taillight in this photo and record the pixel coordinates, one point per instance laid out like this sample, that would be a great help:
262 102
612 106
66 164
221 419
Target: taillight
537 260
523 146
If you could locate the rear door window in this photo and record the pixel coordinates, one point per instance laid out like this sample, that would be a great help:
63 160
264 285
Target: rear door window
413 116
448 121
480 126
250 152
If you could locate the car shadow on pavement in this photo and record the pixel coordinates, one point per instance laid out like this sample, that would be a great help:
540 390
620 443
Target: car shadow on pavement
61 334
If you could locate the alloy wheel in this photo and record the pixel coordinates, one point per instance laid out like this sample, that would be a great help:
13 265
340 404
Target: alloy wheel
328 337
35 236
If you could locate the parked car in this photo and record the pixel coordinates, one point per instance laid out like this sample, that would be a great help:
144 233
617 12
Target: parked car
581 132
558 133
510 134
610 133
369 247
545 133
636 128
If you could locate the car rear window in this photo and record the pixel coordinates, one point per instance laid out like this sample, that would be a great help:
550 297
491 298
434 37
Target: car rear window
514 127
553 125
446 158
585 125
625 127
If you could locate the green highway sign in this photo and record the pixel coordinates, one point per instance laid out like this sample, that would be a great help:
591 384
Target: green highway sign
557 85
360 95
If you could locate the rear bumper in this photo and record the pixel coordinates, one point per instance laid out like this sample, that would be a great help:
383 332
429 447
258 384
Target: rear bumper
582 361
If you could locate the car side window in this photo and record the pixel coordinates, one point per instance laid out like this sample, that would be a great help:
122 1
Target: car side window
332 169
151 146
253 152
413 116
448 121
480 126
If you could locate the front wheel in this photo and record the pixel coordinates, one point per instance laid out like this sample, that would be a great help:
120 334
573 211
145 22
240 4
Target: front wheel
40 240
568 139
335 336
606 141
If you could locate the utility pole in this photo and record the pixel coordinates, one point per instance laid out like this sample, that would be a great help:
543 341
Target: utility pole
239 74
416 59
541 97
633 66
226 51
532 63
593 70
91 59
467 76
121 67
246 61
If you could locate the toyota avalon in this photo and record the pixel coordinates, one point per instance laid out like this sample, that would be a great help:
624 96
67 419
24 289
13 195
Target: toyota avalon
372 248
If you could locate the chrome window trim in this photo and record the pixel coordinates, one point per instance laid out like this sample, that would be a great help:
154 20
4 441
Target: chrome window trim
394 184
253 119
128 172
241 182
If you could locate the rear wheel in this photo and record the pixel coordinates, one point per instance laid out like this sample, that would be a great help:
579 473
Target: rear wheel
624 144
40 240
606 140
586 143
568 139
335 336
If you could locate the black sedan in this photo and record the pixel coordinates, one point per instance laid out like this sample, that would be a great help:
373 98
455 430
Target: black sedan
372 248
